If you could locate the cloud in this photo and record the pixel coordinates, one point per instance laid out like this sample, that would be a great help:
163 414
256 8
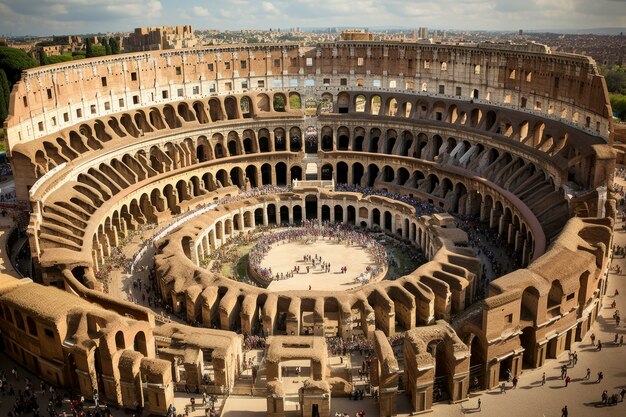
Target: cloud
200 11
44 17
269 7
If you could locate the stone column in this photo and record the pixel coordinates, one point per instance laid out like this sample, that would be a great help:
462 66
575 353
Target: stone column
265 216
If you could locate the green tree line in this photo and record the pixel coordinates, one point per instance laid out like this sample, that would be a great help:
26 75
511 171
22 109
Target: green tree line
615 77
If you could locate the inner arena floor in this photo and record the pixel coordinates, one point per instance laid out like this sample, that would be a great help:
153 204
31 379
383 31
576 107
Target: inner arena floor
285 255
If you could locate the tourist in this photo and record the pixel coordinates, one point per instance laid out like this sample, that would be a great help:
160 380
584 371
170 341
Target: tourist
600 377
543 379
564 412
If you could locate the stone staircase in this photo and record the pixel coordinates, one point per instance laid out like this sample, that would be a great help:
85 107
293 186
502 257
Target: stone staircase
310 162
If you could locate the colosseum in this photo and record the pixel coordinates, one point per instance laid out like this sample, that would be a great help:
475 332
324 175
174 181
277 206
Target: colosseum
150 164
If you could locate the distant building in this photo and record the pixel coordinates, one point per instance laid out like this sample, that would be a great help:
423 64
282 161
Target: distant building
67 40
160 37
422 33
356 35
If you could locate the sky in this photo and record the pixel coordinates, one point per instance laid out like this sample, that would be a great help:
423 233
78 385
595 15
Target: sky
55 17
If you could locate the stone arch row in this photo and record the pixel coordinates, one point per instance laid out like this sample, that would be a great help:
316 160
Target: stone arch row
231 305
254 174
73 142
522 177
545 135
450 192
174 198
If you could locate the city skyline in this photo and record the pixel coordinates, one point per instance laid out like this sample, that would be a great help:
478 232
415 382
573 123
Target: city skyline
44 17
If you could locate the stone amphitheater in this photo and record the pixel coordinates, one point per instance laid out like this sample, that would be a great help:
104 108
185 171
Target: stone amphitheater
210 143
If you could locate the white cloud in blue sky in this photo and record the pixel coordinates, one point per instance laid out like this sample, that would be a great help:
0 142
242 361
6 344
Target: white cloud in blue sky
45 17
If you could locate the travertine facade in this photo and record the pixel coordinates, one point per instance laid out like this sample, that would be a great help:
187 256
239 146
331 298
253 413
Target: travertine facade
510 134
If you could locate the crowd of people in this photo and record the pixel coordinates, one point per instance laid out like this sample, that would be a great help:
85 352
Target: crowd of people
422 208
308 232
29 398
485 240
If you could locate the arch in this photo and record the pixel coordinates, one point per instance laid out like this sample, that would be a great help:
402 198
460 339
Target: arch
120 343
201 114
139 343
281 173
342 173
215 110
359 103
327 172
357 173
296 173
280 139
266 174
231 107
295 139
279 102
185 113
295 101
264 141
263 102
245 106
555 296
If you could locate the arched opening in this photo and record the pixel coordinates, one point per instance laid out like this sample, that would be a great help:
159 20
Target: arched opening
351 215
264 142
338 214
343 142
266 174
279 102
477 364
297 213
280 140
284 214
281 173
372 174
529 343
342 173
230 105
327 172
219 151
311 140
140 343
251 175
555 296
357 173
311 207
246 108
296 173
119 340
295 139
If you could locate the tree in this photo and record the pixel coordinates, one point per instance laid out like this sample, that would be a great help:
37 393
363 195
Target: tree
107 48
115 46
618 103
13 61
88 49
43 59
5 91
